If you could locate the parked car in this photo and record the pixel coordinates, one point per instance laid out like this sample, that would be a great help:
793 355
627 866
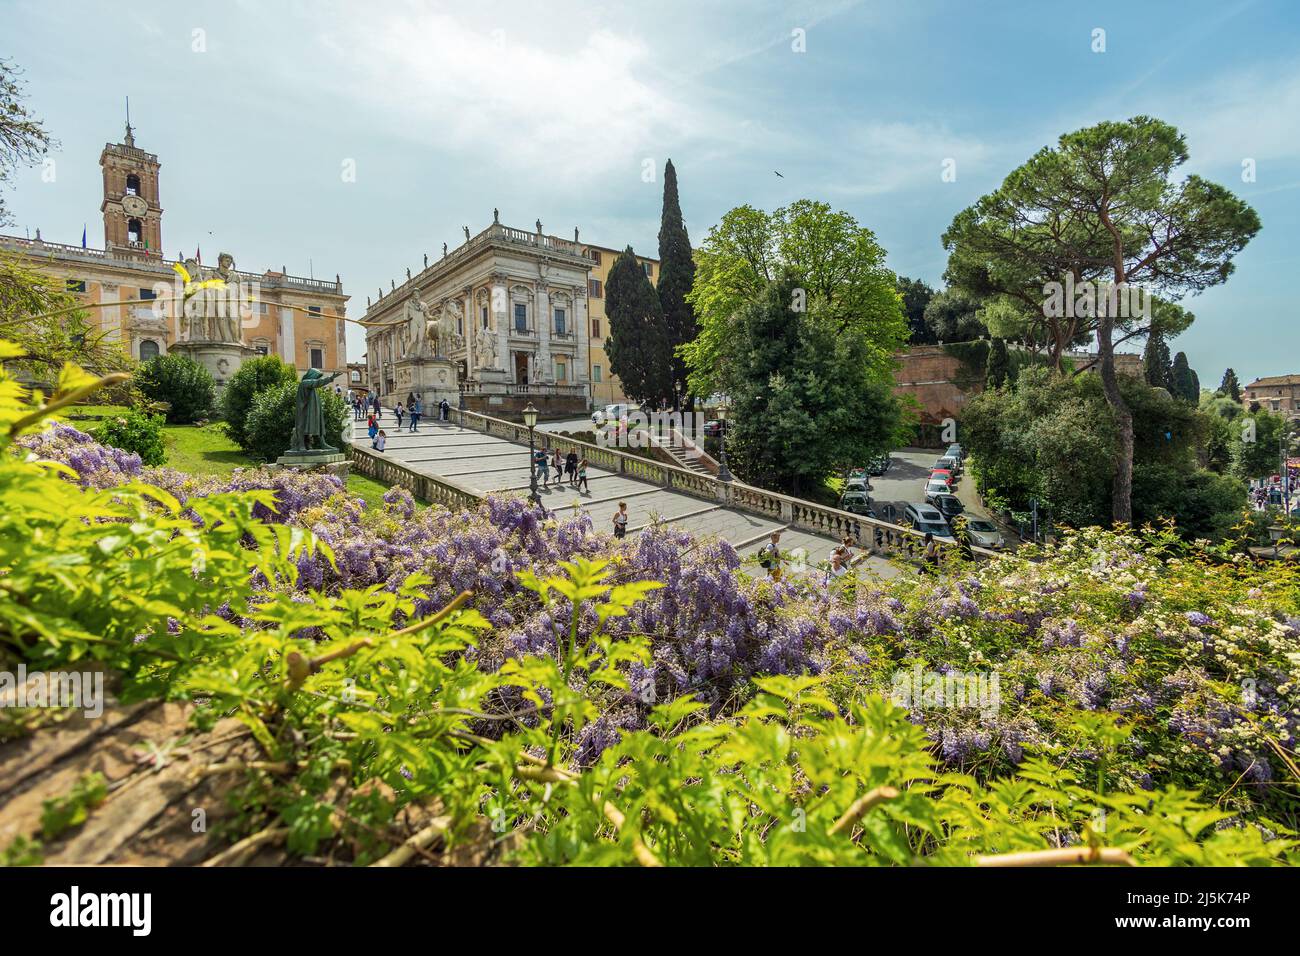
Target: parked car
955 451
942 474
935 487
857 502
714 428
880 465
948 504
610 413
860 483
950 462
925 518
984 533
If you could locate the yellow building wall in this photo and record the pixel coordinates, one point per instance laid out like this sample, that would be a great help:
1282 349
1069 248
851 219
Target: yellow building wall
609 390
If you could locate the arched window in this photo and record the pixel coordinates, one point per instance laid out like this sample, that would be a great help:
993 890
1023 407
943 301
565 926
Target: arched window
134 231
132 184
148 350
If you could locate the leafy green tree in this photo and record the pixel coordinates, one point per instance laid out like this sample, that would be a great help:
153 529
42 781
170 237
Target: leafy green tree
803 397
998 368
1181 383
135 431
23 138
952 316
1258 448
916 295
1230 386
255 375
838 266
676 276
638 343
268 430
1107 205
1156 365
182 383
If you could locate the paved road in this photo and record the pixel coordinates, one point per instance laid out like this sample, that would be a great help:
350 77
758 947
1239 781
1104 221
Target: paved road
904 483
487 463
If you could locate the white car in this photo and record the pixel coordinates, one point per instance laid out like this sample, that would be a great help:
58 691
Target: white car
935 487
925 518
984 533
610 413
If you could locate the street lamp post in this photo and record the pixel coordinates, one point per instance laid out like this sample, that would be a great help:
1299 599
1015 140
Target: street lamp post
724 473
530 419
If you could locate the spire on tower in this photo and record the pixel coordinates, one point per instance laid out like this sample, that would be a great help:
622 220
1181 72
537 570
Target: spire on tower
130 136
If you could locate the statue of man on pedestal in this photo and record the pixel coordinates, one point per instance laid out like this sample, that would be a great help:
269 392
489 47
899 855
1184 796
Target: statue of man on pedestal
417 325
309 414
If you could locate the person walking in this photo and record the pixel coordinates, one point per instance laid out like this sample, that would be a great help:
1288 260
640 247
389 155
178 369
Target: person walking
571 466
582 476
372 426
445 408
769 556
380 441
410 399
620 520
416 409
379 410
542 463
557 462
399 412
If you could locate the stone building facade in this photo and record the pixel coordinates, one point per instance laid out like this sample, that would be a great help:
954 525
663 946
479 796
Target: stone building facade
1274 393
133 291
509 309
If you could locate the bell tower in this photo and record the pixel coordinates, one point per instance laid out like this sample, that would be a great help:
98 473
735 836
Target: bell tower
132 212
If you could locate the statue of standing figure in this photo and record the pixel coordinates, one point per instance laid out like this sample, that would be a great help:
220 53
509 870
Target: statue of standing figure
309 414
212 312
417 325
485 347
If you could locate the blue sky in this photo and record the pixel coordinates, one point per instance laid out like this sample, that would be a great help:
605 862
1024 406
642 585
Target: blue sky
552 110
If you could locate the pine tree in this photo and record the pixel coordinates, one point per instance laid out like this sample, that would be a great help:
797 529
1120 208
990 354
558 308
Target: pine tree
1155 361
998 367
1230 386
1182 385
676 275
637 349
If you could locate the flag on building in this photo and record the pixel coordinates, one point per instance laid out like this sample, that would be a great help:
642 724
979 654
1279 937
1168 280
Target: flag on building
83 235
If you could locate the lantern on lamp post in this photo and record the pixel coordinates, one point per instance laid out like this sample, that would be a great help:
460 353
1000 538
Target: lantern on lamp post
530 419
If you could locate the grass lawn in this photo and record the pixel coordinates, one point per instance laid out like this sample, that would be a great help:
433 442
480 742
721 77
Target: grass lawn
205 450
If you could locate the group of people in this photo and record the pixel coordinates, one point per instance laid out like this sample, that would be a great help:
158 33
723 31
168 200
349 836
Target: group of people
363 404
844 557
569 466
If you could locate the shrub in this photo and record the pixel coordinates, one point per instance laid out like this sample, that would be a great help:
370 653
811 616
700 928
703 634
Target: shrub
184 384
253 376
269 426
135 431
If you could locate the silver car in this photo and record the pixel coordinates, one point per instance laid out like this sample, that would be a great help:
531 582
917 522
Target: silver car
984 533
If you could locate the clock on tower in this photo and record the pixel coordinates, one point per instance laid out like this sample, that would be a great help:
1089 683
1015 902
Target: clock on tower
132 214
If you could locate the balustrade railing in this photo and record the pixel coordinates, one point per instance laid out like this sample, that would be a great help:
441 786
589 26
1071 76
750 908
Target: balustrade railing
435 490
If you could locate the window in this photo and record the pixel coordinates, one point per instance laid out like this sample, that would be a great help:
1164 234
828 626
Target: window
147 294
148 350
314 309
76 285
595 257
460 325
559 322
354 375
560 370
262 349
318 358
484 314
132 184
521 317
595 373
649 270
595 328
594 289
134 231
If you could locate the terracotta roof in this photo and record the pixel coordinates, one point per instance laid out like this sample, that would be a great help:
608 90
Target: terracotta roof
1268 380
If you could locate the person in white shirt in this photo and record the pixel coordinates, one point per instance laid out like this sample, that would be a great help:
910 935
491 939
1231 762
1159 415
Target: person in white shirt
769 556
380 441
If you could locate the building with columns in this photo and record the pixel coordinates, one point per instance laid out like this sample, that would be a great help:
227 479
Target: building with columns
132 288
508 307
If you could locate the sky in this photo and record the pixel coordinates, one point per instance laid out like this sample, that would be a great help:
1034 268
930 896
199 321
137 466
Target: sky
354 137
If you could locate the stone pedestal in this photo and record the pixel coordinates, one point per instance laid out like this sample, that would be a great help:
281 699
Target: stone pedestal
432 379
221 359
334 462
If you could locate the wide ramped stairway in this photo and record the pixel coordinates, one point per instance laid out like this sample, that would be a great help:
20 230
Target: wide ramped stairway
459 461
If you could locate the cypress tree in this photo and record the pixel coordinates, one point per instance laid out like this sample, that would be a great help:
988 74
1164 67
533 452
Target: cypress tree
1230 386
1181 384
1155 362
998 367
637 349
676 275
